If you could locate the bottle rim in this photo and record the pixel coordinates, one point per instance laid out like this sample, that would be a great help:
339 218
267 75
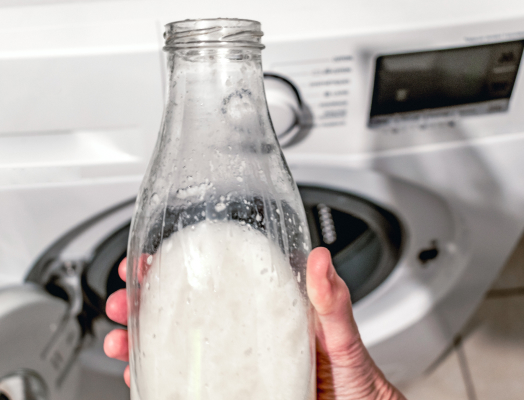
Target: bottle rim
214 33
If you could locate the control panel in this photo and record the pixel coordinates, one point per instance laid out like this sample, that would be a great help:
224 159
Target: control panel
404 89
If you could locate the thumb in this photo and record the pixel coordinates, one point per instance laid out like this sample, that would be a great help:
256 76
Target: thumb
336 327
345 369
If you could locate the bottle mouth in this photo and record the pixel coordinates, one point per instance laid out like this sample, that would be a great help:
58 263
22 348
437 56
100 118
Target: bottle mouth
214 33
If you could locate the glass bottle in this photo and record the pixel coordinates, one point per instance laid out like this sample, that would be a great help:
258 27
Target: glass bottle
219 239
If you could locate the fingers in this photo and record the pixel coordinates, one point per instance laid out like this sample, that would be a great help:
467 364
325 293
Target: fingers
330 298
127 376
116 307
122 269
116 345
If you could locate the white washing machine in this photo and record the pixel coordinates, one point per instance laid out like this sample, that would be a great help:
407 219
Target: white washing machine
402 124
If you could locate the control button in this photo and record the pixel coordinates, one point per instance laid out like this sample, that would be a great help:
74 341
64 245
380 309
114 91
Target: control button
285 108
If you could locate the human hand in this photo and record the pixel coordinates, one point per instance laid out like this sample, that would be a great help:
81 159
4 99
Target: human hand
345 370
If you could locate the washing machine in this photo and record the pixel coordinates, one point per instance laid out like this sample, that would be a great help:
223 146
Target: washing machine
402 125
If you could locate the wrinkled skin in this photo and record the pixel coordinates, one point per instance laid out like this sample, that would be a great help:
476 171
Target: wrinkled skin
345 370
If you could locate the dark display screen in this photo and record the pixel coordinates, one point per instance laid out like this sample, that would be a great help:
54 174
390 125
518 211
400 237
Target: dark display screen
467 80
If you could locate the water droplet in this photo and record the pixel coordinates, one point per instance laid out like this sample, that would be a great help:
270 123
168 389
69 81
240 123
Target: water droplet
263 271
206 340
149 260
203 213
240 179
220 207
148 285
154 200
300 229
188 300
294 302
258 218
298 277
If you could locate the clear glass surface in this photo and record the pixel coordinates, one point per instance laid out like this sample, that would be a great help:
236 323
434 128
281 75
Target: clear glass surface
219 240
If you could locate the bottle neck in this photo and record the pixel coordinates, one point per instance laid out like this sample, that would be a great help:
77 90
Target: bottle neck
216 92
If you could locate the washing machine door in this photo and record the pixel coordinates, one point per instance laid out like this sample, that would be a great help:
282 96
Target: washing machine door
57 322
38 345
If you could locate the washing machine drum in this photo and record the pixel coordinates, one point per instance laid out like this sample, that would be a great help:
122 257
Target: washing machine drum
364 239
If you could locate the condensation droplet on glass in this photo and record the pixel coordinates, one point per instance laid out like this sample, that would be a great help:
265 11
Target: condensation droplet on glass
220 207
298 277
154 200
149 260
240 179
277 211
203 213
258 218
300 229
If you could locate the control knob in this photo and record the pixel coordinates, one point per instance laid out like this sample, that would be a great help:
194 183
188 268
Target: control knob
288 112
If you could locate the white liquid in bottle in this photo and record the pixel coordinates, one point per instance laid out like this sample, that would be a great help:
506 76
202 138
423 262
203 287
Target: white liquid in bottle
236 295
